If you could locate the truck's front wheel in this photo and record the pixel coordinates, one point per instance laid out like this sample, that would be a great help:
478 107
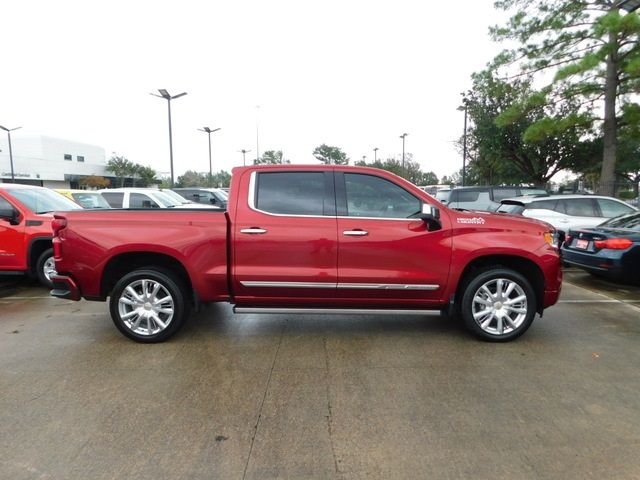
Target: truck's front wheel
148 305
498 304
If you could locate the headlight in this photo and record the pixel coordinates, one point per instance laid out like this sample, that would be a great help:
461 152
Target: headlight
552 239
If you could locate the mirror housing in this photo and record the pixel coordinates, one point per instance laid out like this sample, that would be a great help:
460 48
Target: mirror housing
10 215
431 216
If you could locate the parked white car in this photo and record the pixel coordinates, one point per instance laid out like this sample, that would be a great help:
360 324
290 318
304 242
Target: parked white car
565 212
146 198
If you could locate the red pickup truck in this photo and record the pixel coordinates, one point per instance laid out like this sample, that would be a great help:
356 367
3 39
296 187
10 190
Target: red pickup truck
310 239
26 213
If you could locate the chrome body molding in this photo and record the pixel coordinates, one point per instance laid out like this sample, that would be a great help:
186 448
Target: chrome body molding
358 286
341 311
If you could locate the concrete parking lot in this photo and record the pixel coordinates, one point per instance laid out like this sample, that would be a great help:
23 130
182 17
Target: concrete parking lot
343 397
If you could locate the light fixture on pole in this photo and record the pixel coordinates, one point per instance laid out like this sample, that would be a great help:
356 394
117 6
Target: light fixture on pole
244 156
403 136
164 94
208 131
375 154
463 108
9 130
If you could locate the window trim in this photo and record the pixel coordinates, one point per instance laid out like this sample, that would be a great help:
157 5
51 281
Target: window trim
341 199
253 194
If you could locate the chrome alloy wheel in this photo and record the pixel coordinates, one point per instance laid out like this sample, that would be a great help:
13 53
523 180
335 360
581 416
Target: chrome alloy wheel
49 268
146 307
499 306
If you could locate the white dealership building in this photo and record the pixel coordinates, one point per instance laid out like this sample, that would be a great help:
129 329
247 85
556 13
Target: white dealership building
50 162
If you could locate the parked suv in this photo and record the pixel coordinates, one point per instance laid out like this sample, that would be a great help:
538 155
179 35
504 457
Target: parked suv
26 213
567 211
487 198
206 196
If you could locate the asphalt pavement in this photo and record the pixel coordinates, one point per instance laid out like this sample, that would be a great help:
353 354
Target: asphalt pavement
303 396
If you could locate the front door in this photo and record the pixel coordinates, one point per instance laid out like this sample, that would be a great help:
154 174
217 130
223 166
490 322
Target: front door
387 256
284 238
12 245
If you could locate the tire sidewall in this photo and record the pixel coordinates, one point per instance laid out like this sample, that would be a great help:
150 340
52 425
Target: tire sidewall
480 279
169 282
44 256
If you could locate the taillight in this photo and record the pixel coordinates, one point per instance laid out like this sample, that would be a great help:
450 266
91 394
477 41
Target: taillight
614 243
57 224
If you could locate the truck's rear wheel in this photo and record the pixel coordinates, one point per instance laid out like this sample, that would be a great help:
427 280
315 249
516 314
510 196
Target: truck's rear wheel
498 304
148 305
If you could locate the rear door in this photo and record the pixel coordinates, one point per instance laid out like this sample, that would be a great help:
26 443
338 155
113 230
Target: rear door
284 237
386 254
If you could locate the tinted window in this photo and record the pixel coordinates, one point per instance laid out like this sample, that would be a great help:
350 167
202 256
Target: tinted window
114 199
370 196
464 195
138 200
610 208
542 204
577 207
90 200
291 193
501 193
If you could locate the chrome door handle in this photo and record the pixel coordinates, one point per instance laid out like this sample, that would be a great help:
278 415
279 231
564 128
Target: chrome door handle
253 231
355 233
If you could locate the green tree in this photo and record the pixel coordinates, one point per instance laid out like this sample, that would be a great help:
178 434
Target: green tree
121 167
221 179
145 176
593 49
330 155
271 157
503 150
412 172
429 178
191 178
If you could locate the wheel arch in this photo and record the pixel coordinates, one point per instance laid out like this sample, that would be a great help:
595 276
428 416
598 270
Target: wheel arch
524 266
37 246
124 263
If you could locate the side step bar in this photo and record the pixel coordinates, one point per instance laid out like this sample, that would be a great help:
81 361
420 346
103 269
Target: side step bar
339 311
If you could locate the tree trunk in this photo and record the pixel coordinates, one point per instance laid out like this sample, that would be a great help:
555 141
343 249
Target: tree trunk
607 174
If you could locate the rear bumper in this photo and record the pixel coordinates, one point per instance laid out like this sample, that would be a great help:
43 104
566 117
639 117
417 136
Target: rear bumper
65 287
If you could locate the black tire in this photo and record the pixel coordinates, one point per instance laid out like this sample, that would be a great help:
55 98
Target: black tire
141 325
43 265
506 321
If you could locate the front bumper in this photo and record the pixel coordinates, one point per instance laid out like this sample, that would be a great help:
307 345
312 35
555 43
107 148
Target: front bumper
65 287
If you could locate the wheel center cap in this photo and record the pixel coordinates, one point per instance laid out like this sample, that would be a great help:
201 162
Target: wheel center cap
147 306
497 305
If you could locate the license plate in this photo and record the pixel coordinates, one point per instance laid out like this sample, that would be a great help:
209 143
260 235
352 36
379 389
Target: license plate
582 244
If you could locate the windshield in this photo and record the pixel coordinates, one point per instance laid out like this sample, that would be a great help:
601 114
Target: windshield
176 197
165 200
42 200
221 194
90 200
628 222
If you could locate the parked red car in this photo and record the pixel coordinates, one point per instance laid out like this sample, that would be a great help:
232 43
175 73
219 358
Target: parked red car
310 239
26 213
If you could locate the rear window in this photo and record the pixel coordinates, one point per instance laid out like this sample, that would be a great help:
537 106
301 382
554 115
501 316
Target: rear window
510 208
291 193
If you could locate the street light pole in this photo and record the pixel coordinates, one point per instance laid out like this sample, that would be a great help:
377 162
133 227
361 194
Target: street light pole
375 154
403 136
164 94
9 130
244 158
208 131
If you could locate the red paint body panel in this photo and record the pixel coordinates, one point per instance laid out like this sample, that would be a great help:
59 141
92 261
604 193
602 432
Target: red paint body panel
15 240
307 249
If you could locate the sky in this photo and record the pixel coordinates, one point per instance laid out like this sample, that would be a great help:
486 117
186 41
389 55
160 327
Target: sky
273 75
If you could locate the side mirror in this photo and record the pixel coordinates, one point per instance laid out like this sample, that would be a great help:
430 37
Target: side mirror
431 216
10 215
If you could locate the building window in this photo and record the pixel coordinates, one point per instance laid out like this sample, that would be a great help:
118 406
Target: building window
80 158
68 157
